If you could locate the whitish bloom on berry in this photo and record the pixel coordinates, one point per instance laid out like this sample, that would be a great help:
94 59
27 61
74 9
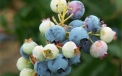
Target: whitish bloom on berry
107 34
28 72
28 46
99 49
46 24
58 5
50 51
38 53
23 63
70 49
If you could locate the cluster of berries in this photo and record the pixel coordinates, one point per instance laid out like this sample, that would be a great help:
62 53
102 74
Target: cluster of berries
64 42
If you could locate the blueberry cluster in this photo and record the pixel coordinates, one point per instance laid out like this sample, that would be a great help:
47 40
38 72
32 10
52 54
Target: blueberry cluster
64 42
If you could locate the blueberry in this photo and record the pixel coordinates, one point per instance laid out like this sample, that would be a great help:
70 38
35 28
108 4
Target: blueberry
23 53
55 33
86 43
92 23
77 34
75 23
58 65
77 8
74 60
42 69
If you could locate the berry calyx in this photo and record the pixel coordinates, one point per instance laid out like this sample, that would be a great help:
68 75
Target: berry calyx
48 53
76 51
38 53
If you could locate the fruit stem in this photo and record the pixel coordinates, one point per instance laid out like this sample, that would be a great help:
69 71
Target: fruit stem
62 15
68 17
67 34
54 20
69 26
96 34
32 59
82 26
93 34
59 47
89 32
91 40
59 17
59 14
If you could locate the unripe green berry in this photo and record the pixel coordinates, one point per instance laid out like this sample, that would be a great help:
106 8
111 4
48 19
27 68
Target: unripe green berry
46 24
28 72
23 63
50 51
28 46
70 49
38 53
106 34
58 5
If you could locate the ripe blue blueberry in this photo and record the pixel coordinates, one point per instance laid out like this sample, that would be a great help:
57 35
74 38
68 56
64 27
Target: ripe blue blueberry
58 65
75 23
77 34
92 23
42 69
64 73
74 60
55 33
86 43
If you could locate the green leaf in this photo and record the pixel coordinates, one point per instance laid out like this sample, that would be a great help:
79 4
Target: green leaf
3 21
115 49
4 3
9 74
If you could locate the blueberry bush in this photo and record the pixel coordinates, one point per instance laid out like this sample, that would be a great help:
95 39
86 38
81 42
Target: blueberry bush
28 18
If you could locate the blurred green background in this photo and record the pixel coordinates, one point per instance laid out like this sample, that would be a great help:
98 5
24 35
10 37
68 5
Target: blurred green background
20 19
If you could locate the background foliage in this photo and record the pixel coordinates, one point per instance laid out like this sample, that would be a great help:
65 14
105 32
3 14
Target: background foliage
28 16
